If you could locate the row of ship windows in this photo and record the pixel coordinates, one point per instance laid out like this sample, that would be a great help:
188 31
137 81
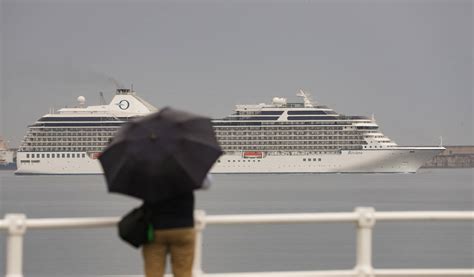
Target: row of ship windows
62 155
69 141
289 148
290 153
266 123
273 143
261 125
84 129
257 133
61 149
114 129
96 144
258 160
278 128
42 134
218 132
77 139
253 160
312 112
292 142
240 137
98 118
292 138
258 113
229 132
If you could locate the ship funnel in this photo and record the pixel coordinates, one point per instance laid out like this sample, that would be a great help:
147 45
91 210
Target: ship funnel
123 91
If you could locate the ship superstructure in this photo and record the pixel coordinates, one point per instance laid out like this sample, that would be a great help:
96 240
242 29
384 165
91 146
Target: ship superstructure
70 141
297 128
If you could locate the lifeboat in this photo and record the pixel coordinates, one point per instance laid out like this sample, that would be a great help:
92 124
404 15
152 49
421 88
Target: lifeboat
94 155
253 154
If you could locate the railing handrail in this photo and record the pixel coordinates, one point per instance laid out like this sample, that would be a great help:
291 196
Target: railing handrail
272 218
364 217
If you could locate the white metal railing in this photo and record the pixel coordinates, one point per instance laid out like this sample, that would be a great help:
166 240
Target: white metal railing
364 217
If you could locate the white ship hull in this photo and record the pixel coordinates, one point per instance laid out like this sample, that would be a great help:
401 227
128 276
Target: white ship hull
396 160
57 166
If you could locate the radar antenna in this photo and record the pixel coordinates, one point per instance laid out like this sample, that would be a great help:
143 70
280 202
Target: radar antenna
308 102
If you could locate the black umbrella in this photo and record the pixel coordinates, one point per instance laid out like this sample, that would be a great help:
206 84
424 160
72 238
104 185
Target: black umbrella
160 155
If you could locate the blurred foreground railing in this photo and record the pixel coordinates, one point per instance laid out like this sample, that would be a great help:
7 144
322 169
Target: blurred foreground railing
364 218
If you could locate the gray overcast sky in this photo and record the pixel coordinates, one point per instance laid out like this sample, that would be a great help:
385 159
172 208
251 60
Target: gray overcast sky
408 62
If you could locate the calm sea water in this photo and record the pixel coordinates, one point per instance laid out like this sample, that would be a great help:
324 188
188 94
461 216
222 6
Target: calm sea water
96 252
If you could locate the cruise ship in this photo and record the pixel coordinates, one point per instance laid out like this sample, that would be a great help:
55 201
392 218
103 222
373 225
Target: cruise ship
280 137
70 140
306 137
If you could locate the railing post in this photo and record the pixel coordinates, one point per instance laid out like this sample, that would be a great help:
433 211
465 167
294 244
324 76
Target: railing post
16 230
200 224
364 241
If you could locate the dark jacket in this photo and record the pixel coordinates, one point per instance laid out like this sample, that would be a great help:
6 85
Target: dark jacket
175 212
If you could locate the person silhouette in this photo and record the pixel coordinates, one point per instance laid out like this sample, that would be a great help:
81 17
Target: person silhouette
174 235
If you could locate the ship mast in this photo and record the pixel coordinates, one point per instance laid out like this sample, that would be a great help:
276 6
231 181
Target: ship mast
308 102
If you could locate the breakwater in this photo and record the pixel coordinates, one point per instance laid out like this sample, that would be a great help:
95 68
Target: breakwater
453 157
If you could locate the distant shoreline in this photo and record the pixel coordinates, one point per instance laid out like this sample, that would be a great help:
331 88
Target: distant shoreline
453 157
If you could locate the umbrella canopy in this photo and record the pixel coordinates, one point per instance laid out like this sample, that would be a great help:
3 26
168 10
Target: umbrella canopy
160 155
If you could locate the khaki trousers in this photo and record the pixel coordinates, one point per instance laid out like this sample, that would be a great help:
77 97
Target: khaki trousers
179 243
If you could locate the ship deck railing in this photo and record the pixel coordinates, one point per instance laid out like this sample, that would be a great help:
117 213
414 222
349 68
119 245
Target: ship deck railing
364 218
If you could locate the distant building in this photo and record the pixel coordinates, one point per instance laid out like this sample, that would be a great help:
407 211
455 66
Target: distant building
453 157
7 156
